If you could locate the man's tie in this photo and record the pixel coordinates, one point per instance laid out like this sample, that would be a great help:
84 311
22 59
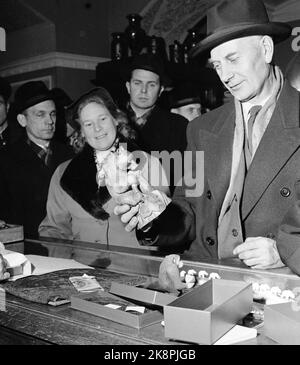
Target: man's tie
248 142
44 155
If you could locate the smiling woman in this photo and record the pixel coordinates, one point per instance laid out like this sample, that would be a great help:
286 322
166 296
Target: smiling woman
83 191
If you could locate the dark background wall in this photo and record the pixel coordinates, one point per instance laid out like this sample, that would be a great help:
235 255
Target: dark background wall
79 27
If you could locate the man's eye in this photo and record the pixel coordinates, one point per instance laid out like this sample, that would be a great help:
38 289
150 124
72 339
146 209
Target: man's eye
88 124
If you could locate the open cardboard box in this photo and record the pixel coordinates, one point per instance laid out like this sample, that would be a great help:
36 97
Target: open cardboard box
142 295
282 323
13 233
96 304
207 312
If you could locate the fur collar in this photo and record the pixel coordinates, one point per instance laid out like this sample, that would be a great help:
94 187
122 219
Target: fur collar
79 181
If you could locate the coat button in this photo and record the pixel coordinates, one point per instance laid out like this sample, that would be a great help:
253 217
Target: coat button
235 232
285 192
210 241
208 194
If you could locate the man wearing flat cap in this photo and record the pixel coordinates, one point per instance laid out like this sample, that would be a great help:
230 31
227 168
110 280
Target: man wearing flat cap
251 150
157 129
27 165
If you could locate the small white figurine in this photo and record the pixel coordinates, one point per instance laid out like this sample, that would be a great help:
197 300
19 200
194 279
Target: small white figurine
202 274
287 294
214 275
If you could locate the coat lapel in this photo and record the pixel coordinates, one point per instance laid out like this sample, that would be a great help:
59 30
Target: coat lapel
280 140
218 155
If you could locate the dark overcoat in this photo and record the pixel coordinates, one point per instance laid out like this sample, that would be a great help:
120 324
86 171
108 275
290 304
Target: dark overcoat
269 187
24 183
164 131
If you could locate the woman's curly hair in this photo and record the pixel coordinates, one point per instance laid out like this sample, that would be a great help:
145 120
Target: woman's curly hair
102 97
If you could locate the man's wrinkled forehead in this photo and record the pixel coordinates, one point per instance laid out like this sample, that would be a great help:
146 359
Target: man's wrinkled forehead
233 46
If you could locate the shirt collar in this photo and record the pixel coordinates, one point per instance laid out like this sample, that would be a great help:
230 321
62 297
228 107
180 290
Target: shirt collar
141 120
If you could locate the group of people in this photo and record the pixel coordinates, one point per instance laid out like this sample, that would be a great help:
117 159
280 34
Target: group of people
56 191
249 206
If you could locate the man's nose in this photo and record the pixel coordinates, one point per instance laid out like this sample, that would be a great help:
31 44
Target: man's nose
51 119
144 89
227 74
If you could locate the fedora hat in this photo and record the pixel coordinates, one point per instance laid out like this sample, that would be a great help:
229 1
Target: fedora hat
30 94
183 94
149 62
231 19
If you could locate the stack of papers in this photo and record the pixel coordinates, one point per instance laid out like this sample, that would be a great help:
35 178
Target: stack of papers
85 283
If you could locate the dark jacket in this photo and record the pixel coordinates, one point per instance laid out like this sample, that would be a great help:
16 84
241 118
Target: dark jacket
269 188
163 131
24 183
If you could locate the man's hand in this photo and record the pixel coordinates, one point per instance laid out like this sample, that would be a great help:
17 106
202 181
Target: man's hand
4 275
259 253
169 276
128 209
128 215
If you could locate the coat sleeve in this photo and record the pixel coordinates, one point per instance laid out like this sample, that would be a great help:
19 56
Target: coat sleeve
288 240
175 227
58 221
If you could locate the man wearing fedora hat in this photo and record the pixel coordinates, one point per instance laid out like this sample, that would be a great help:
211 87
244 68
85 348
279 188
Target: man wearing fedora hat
251 149
184 99
27 165
157 129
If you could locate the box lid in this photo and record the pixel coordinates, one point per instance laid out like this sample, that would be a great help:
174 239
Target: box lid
142 295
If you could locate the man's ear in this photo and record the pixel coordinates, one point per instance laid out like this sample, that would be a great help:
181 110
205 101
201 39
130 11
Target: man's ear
162 88
22 120
268 48
128 87
7 107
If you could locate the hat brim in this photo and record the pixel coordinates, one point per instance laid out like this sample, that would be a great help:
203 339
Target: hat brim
278 31
33 101
186 101
165 80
